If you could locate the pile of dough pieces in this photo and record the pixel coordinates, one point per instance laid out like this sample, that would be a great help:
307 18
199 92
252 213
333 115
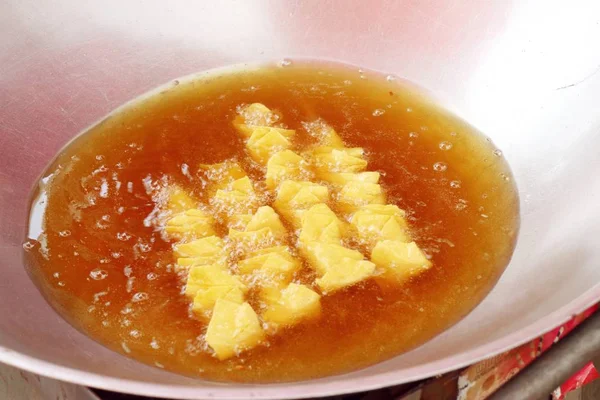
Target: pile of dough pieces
268 244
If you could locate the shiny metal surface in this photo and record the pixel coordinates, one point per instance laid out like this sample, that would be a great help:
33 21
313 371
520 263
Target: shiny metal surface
527 73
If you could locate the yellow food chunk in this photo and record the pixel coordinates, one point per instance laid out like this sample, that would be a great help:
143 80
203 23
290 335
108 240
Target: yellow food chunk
251 116
248 241
325 134
320 224
266 217
357 194
205 298
375 222
208 246
273 266
238 198
266 141
329 159
285 165
239 221
338 266
202 278
192 223
233 329
223 174
341 178
292 305
294 197
178 200
399 260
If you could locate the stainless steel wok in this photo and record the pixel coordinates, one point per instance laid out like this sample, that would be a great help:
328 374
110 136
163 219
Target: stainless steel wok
526 73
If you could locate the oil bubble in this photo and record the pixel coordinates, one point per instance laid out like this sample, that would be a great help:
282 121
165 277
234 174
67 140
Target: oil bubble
445 146
378 112
440 166
98 274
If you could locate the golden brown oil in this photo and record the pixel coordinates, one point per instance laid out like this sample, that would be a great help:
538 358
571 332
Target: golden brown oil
108 274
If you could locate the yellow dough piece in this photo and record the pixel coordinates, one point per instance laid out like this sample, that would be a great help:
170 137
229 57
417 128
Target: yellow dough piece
212 275
190 224
251 116
209 250
237 198
354 195
233 329
293 304
325 134
285 165
221 175
342 178
266 217
178 200
273 265
330 159
320 224
375 222
295 197
266 141
399 260
337 265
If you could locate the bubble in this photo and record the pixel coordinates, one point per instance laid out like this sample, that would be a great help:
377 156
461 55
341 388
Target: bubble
98 274
445 146
440 166
126 348
378 112
28 245
285 62
56 275
61 284
159 365
408 109
390 78
505 177
154 344
460 206
484 196
413 134
135 333
498 153
140 296
455 184
123 236
151 276
347 82
453 134
99 157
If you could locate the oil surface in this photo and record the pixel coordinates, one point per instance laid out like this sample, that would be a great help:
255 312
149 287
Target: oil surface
111 276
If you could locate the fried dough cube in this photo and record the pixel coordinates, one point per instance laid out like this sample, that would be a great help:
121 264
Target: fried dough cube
325 134
357 194
212 275
337 265
293 304
209 250
320 224
285 165
221 175
342 178
251 116
266 141
238 198
208 283
272 265
178 200
330 159
295 197
266 217
190 224
233 329
399 260
375 222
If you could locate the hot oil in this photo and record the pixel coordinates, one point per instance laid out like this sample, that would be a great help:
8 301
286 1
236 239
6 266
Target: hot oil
111 276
